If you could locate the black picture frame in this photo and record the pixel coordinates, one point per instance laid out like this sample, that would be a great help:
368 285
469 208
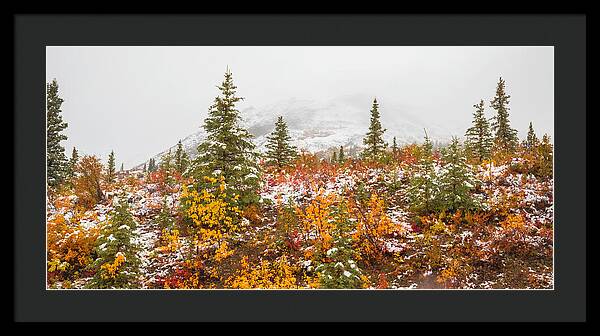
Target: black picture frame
567 302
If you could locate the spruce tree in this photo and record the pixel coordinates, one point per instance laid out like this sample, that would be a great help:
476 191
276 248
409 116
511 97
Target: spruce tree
121 166
545 162
374 144
457 180
151 165
181 159
227 149
532 141
280 152
110 170
144 169
479 136
56 161
334 158
505 139
117 264
341 155
394 147
166 161
423 191
72 166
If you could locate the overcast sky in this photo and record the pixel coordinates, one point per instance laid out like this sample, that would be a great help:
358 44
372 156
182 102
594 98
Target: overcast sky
139 101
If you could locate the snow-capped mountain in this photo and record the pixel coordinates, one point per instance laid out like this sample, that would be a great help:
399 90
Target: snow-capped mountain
317 126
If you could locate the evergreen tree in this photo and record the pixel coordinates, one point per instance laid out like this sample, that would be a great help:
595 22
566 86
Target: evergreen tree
341 269
110 170
532 141
341 155
423 191
394 147
181 159
545 162
56 161
374 144
479 136
144 169
166 161
505 137
117 264
334 158
73 163
121 166
457 180
280 152
151 165
227 149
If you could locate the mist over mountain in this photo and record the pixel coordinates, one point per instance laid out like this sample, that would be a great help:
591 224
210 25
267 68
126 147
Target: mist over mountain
319 126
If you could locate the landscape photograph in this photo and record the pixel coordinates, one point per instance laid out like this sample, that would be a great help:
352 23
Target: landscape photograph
299 167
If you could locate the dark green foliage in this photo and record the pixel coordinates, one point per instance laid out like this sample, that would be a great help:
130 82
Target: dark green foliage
72 166
334 158
56 161
164 218
456 180
280 152
152 165
117 238
227 149
181 159
144 169
424 190
374 144
394 147
505 138
545 162
340 270
479 136
110 170
532 141
166 161
341 156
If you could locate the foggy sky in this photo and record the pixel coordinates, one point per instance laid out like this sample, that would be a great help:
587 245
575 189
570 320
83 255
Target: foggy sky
139 101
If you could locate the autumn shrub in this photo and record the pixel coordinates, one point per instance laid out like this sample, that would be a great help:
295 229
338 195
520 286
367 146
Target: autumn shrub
372 225
70 247
87 183
279 274
317 221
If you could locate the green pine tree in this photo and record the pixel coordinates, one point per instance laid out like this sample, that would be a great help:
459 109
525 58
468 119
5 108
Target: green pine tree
280 152
122 166
532 141
505 139
166 161
479 136
117 265
72 166
545 161
56 161
341 155
227 149
110 170
181 159
394 147
341 269
374 144
423 191
457 180
334 158
151 165
144 169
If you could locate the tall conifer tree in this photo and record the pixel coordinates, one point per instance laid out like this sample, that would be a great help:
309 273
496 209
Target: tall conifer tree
505 139
374 144
56 161
280 152
479 136
227 149
110 170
